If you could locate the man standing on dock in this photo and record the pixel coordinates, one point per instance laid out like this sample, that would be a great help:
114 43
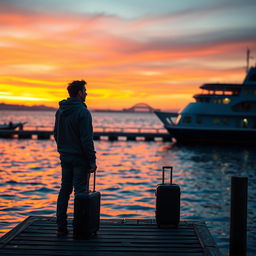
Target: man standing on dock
73 133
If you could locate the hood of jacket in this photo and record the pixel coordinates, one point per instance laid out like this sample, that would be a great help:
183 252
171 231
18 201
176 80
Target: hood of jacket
70 105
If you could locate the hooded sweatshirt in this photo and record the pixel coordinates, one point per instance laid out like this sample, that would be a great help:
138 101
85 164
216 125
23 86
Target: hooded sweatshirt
73 131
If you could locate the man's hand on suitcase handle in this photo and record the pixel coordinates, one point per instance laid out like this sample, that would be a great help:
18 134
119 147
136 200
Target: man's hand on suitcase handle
93 168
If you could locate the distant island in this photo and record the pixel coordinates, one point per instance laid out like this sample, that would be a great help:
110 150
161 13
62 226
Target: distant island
16 107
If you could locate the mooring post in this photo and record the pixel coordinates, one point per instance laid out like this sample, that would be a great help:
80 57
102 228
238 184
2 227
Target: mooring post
238 216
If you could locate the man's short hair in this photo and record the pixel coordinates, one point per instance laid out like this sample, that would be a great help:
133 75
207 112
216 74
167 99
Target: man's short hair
75 86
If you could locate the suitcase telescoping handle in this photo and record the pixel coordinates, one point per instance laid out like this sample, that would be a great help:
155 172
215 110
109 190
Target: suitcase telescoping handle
94 181
167 167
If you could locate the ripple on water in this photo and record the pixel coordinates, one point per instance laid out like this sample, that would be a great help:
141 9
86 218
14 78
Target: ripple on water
45 190
41 212
131 215
139 207
8 196
13 182
126 192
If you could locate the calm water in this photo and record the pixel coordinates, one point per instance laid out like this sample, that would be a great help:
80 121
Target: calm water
128 173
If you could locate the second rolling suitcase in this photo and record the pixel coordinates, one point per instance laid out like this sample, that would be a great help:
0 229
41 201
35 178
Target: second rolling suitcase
86 214
167 202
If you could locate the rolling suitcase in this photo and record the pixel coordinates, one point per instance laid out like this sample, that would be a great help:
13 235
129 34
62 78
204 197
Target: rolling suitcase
167 202
86 213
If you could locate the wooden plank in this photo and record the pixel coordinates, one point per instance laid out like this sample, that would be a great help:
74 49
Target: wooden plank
204 236
120 222
18 229
52 236
98 240
68 253
109 225
121 230
104 242
214 251
206 240
120 248
120 245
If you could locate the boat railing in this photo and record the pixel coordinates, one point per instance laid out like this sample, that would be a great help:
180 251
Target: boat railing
129 129
38 128
103 129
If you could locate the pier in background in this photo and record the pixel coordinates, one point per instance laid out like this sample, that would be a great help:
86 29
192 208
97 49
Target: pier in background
109 133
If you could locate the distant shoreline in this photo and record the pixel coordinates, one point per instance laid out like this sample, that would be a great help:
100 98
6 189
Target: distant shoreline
15 107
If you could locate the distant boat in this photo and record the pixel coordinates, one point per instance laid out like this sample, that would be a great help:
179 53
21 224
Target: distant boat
12 126
222 113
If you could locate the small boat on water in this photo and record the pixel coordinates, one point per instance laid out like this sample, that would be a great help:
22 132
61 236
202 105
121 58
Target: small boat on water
12 126
222 113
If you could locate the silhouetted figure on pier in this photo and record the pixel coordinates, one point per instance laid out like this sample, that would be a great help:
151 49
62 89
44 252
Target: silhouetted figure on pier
73 133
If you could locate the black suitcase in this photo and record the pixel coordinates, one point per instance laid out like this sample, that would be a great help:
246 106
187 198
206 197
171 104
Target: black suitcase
86 214
167 202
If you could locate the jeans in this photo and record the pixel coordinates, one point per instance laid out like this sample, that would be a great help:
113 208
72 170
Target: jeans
73 175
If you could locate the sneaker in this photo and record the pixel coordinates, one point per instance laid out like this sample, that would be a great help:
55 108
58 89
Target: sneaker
62 232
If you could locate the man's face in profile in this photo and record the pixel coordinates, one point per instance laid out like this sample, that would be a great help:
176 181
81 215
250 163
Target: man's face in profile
83 94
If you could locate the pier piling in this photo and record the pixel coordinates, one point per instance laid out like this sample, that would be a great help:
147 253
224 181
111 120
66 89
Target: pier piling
238 216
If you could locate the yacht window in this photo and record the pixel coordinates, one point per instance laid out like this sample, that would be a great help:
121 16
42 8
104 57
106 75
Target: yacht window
253 77
217 101
225 121
248 91
226 101
245 92
187 119
235 92
246 106
199 119
216 121
245 123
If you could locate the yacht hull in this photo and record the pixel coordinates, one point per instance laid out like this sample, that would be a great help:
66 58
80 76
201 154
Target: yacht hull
213 136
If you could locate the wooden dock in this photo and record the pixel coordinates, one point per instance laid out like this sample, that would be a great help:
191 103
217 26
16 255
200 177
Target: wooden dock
117 237
111 135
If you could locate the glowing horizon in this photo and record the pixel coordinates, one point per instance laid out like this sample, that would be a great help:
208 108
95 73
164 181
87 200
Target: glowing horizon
127 53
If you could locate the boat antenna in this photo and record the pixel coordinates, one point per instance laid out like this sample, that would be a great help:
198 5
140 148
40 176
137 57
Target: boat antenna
248 52
248 57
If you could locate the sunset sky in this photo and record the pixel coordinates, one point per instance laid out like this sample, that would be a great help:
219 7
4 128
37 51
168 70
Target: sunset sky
128 51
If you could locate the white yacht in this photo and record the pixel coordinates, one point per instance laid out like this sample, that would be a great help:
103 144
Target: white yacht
222 113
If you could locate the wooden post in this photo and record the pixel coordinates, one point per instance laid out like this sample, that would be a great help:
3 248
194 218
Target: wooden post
238 216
